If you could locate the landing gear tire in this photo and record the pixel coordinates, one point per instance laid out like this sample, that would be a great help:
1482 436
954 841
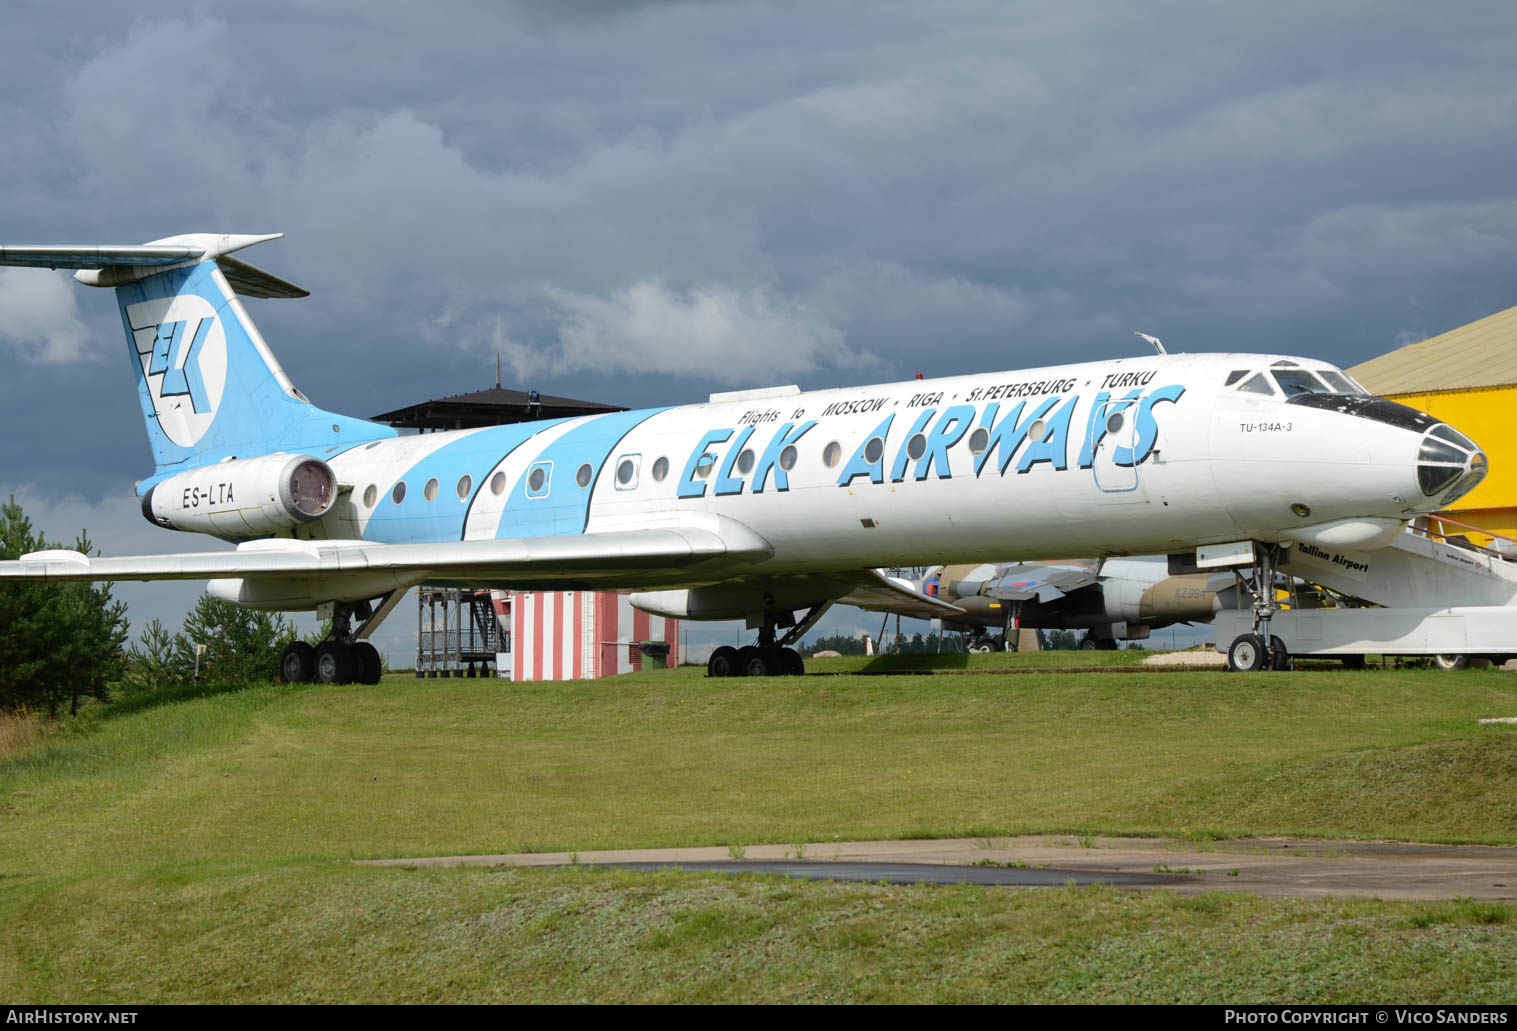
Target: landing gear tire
1247 654
1280 659
369 667
1451 662
723 662
335 663
1352 661
754 661
791 663
297 665
1090 644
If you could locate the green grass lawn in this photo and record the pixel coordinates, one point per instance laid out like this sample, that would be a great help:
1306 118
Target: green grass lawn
197 850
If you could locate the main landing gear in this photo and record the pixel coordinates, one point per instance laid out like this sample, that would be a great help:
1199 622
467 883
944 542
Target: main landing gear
980 642
772 656
344 657
1259 650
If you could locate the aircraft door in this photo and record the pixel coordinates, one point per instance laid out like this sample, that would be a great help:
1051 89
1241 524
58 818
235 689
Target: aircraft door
1116 424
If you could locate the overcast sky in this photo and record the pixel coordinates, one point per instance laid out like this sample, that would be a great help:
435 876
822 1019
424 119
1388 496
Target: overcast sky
640 203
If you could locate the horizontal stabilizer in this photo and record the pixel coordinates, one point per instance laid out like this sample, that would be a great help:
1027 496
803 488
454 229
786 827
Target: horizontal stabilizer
98 257
255 282
107 265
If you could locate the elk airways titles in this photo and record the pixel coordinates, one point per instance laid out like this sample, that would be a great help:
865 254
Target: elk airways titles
999 434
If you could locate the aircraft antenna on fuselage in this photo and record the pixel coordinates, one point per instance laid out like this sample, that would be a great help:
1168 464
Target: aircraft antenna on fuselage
1158 344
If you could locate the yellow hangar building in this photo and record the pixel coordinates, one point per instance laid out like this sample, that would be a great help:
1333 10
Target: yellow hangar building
1466 377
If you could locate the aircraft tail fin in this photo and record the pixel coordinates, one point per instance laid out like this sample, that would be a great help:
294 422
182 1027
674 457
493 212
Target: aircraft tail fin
209 385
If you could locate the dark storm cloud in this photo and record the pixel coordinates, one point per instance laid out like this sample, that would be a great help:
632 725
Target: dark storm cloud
645 202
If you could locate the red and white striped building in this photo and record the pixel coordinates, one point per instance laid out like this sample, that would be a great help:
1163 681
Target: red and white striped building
576 635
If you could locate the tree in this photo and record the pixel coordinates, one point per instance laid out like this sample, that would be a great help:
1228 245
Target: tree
241 645
843 644
57 641
150 663
1058 640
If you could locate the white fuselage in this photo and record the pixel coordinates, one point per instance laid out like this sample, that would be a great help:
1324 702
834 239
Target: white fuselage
1127 457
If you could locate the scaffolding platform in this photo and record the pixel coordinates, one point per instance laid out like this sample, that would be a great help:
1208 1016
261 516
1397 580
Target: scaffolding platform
457 633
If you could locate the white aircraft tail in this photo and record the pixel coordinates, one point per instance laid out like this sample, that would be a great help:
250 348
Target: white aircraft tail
209 385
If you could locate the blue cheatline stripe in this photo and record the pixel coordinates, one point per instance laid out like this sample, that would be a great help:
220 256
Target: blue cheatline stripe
416 519
564 506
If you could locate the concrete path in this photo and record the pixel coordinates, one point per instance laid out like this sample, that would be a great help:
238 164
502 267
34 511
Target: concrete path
1285 868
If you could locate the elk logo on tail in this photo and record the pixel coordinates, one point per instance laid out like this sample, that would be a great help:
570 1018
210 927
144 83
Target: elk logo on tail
181 348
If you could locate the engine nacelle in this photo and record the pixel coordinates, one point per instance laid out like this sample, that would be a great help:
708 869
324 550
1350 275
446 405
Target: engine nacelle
303 594
732 602
244 497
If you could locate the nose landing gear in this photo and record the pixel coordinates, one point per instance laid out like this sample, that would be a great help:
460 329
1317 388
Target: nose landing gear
1259 650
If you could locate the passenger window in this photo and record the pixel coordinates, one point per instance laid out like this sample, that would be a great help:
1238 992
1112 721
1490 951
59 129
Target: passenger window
539 479
627 468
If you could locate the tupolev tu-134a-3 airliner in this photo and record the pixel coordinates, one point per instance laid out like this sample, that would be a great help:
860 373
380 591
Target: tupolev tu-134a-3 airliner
764 505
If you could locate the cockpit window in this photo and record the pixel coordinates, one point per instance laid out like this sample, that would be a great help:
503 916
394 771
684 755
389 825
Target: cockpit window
1294 381
1340 383
1299 381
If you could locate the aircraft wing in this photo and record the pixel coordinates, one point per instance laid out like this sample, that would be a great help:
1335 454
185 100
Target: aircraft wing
877 592
1043 583
525 561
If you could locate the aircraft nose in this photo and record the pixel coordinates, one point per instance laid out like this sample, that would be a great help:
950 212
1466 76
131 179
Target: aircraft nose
1449 464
